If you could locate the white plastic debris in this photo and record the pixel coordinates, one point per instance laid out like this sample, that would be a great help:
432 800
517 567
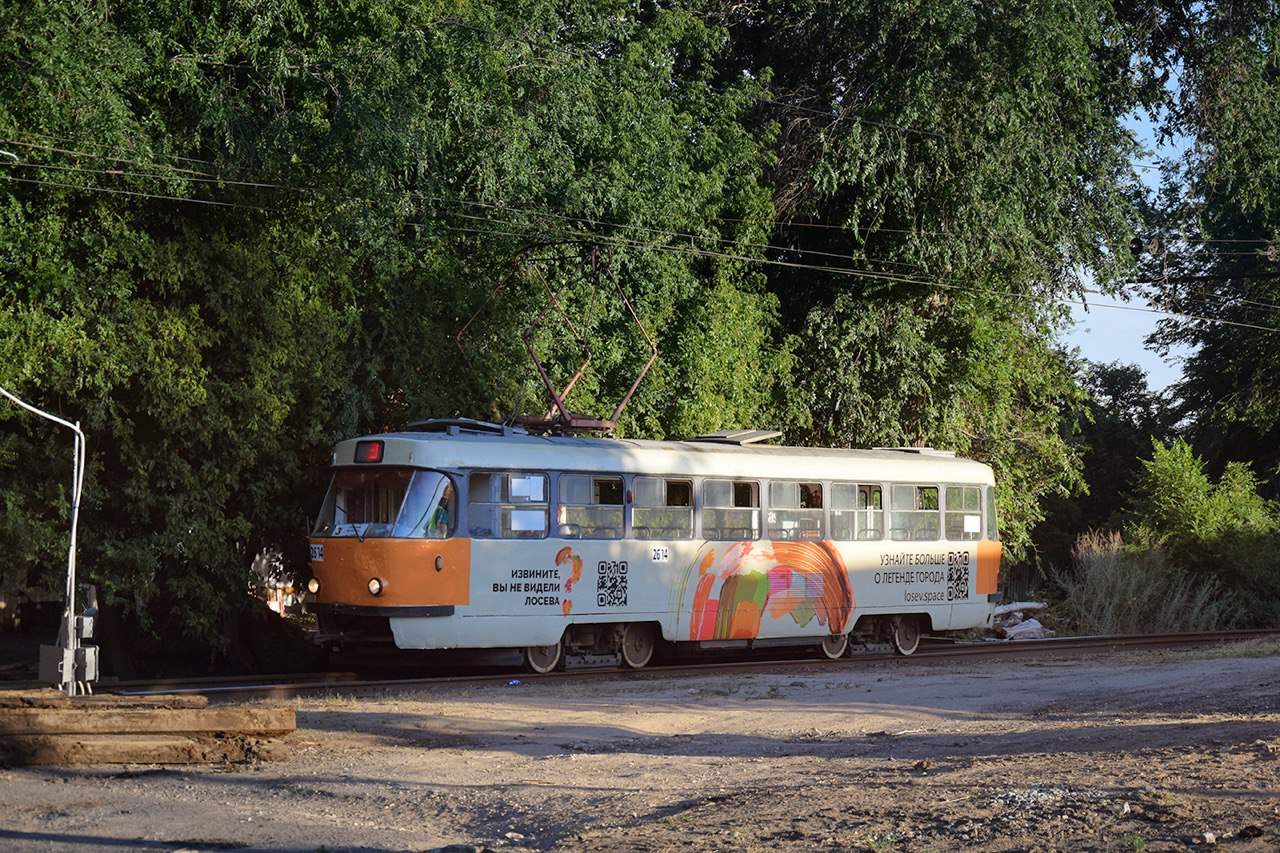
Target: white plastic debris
1031 629
1019 605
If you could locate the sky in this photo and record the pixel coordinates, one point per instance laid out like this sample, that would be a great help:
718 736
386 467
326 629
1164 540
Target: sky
1109 334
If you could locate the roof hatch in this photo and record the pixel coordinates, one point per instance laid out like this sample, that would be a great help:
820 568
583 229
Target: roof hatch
922 451
456 426
739 437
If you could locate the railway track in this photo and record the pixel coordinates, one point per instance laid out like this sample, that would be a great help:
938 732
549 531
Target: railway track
278 687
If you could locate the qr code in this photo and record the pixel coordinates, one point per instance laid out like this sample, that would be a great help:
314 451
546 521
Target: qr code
611 584
957 581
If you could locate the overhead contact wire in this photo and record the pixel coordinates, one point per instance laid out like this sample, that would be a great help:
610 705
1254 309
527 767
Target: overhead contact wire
871 274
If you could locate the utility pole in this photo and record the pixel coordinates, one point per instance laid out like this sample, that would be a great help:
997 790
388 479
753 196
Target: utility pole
70 664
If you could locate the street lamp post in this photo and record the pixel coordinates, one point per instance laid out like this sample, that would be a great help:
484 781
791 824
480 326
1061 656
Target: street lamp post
69 664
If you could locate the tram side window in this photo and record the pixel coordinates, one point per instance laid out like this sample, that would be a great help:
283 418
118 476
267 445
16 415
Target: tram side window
913 513
963 512
857 512
662 509
507 505
730 509
993 531
590 507
795 510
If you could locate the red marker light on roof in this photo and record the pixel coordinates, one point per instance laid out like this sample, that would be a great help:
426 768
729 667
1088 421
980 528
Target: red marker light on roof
368 451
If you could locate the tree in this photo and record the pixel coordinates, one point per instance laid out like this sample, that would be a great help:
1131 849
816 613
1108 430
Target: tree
1217 223
236 236
921 150
1225 530
1113 430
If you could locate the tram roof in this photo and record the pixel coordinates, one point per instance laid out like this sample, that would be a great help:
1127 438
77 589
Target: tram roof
517 451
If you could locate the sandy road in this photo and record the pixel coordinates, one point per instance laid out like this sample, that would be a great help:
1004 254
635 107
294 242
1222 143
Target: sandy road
1124 752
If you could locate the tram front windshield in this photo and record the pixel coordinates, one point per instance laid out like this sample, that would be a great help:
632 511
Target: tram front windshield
388 502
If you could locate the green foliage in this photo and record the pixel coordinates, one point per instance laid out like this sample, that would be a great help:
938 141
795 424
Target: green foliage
890 374
1220 210
305 206
1222 531
1111 589
925 131
1176 502
1112 430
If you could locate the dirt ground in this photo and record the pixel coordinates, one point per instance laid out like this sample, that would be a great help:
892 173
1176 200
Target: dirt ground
1135 752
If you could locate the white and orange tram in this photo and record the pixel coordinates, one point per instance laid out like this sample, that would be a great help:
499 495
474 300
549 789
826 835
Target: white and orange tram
465 535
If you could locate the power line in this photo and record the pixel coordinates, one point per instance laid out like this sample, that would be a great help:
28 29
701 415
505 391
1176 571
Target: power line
468 202
213 178
1214 277
187 200
73 153
70 140
992 234
809 251
870 274
893 279
200 178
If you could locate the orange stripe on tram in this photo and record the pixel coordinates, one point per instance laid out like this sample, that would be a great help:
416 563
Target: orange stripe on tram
988 579
407 568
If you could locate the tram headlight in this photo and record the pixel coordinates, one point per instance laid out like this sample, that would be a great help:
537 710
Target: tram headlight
375 586
313 586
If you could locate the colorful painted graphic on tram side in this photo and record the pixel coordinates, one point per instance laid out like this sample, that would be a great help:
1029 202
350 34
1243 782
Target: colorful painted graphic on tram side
737 586
750 581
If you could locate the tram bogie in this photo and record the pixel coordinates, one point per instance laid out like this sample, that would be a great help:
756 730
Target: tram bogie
565 547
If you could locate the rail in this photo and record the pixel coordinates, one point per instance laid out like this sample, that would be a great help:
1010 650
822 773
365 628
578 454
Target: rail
931 649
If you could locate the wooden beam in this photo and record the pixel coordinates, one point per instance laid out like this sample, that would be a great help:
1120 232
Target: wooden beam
57 699
224 720
134 749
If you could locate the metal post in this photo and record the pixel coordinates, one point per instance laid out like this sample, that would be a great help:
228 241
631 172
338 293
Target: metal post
75 671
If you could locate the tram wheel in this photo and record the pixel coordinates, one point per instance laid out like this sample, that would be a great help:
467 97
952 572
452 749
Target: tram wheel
637 645
834 646
904 634
543 659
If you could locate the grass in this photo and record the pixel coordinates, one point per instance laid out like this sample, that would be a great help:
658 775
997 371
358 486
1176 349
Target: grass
337 703
1113 589
1135 843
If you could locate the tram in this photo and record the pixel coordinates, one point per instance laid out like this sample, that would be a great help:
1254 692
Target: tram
458 534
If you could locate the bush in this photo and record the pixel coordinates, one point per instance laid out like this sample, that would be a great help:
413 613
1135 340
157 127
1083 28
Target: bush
1224 532
1112 589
